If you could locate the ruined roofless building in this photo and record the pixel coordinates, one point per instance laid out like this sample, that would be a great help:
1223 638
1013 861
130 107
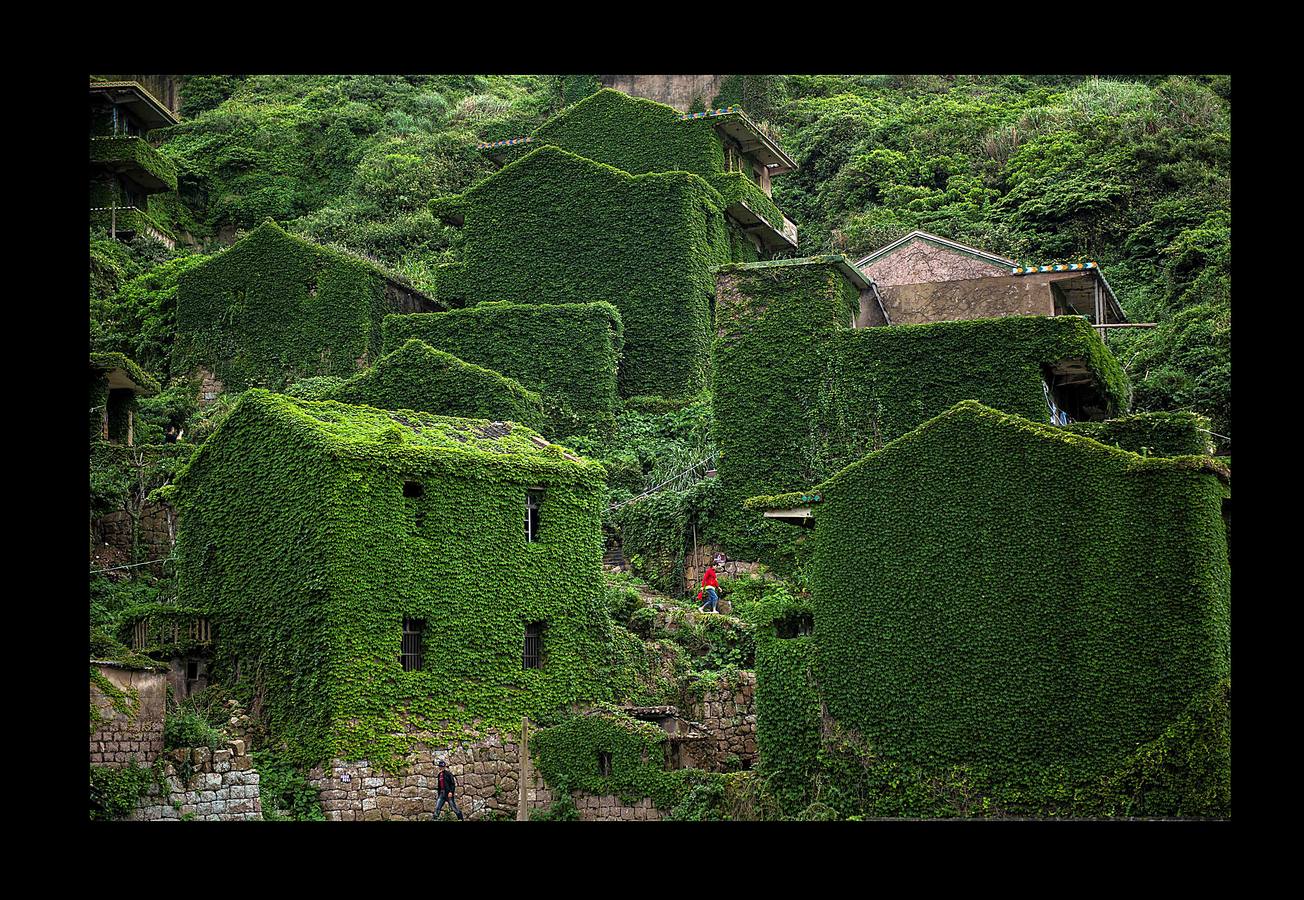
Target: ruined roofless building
923 278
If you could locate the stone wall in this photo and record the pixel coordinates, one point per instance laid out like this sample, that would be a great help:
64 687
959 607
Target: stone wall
487 772
920 261
727 711
222 787
156 534
609 808
120 739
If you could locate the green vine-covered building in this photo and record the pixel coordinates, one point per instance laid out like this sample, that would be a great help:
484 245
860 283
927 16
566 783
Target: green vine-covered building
382 573
1043 614
274 308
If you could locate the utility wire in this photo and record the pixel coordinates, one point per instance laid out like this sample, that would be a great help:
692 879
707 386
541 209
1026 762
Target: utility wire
669 480
132 565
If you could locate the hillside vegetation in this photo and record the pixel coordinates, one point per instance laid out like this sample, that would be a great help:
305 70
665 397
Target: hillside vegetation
1133 172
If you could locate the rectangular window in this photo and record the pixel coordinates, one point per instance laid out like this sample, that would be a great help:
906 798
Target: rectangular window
533 500
533 655
413 647
604 763
414 493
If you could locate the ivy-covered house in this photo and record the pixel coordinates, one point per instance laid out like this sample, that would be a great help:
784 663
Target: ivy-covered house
125 170
379 574
554 228
417 376
275 308
568 352
802 390
1021 612
725 147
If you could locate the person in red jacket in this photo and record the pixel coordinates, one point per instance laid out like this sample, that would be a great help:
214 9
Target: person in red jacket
711 588
447 790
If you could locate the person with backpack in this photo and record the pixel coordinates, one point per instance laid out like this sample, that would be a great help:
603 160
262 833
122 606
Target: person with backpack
446 785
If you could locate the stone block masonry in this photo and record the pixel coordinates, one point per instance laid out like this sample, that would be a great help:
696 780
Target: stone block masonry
222 787
487 770
727 710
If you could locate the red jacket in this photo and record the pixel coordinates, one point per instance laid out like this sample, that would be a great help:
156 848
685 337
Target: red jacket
708 579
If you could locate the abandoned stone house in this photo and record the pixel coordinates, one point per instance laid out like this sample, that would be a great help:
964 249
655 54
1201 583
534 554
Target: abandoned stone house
926 278
125 170
445 562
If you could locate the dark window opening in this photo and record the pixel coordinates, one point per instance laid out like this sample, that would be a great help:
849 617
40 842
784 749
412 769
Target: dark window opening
532 658
796 625
604 763
312 288
414 493
533 500
192 670
413 648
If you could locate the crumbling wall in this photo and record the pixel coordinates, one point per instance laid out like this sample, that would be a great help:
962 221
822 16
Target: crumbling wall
678 91
155 535
121 737
222 786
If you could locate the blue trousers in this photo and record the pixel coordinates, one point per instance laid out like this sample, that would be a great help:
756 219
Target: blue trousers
439 804
711 599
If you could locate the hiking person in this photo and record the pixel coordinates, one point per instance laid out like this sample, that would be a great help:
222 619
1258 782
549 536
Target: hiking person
711 588
447 788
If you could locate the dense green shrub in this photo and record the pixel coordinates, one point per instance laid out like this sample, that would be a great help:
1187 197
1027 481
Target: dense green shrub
553 227
417 376
184 727
141 318
115 790
284 790
301 542
568 353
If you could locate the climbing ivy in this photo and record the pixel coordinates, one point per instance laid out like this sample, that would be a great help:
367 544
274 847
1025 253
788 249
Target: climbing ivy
553 227
301 542
1007 596
417 376
275 308
567 352
1152 434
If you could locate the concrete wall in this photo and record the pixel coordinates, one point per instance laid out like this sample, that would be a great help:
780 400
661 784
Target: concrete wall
919 261
969 298
678 91
119 739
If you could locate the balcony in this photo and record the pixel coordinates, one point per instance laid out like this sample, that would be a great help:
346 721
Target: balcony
133 158
126 221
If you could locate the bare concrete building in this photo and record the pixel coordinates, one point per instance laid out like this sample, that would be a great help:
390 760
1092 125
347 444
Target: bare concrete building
678 91
926 278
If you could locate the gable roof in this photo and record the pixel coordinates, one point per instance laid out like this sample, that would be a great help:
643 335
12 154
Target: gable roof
122 372
271 225
937 241
962 416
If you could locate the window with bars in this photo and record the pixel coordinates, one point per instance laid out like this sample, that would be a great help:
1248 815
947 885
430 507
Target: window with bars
533 500
413 647
532 658
604 763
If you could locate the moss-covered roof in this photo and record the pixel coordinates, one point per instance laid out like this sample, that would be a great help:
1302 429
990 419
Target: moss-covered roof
141 382
364 433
